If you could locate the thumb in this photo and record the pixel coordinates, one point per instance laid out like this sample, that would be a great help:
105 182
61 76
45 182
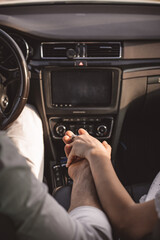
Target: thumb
105 144
82 131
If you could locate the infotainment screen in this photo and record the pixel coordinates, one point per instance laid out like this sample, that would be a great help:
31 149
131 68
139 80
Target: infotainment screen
81 88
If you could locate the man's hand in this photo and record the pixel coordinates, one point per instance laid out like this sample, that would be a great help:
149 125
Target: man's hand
76 169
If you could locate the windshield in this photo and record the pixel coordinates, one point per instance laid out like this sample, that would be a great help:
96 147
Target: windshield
2 2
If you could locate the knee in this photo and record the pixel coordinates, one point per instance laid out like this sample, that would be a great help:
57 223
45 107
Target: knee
9 156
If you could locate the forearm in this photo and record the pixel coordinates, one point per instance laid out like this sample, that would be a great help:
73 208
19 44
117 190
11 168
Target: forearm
122 211
85 208
83 190
114 199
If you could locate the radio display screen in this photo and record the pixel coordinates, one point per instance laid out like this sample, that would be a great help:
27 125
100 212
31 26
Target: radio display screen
81 88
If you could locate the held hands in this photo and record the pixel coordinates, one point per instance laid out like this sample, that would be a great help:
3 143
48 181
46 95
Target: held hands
82 146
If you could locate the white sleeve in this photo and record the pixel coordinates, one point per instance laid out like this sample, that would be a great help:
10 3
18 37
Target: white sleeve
92 223
27 134
154 188
157 203
36 214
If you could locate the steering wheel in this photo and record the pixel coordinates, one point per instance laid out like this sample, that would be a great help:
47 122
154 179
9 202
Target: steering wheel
14 80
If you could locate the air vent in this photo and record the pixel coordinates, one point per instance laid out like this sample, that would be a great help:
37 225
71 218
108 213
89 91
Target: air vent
57 50
103 50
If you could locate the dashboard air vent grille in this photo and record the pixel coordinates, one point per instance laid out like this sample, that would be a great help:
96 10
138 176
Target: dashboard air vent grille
104 50
56 50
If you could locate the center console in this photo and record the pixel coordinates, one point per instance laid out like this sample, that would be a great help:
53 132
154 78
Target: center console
79 97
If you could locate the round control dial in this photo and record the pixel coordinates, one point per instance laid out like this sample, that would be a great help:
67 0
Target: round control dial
60 130
71 53
102 130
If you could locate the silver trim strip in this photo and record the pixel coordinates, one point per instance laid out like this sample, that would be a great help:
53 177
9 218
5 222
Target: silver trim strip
24 2
141 69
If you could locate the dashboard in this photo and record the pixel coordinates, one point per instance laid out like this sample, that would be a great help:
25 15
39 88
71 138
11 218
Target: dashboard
95 66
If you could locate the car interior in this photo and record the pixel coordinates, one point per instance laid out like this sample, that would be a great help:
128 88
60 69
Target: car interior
86 64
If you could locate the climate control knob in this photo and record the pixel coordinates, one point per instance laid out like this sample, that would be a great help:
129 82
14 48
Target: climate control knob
102 130
60 130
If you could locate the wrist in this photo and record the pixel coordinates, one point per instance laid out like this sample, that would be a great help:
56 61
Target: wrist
97 154
77 169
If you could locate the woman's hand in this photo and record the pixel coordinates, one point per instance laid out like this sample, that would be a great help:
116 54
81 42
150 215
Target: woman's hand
81 146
